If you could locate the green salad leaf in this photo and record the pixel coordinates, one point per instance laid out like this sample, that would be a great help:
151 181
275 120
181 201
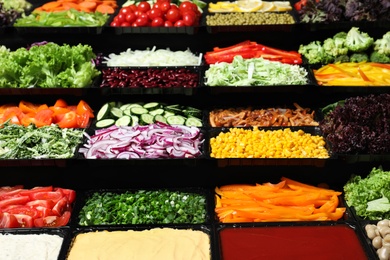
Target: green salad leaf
48 66
368 195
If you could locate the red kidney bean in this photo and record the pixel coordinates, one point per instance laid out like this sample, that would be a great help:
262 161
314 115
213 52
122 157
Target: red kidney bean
149 78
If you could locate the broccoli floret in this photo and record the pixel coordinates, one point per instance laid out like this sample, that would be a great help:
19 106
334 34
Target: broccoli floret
335 47
341 35
357 41
382 45
341 59
315 53
358 57
379 57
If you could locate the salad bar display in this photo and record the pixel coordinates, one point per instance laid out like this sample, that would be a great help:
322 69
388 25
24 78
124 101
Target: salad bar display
229 122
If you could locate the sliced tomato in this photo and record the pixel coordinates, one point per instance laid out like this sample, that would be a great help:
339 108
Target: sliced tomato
83 107
25 221
69 193
61 206
22 209
61 103
8 220
10 194
44 117
53 221
13 114
36 189
69 120
43 211
10 188
54 196
28 107
19 200
83 120
41 203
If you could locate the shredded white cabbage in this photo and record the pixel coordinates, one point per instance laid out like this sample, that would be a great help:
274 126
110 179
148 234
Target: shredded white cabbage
153 57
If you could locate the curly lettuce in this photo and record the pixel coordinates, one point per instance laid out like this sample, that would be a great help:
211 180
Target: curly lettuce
369 196
48 66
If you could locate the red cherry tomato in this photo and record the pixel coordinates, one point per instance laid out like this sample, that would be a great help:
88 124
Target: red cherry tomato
165 6
143 6
125 24
131 17
154 13
120 18
125 10
186 6
173 15
189 18
179 23
132 7
168 24
157 22
142 21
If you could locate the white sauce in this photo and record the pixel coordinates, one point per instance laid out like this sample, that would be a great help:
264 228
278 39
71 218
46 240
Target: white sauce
30 246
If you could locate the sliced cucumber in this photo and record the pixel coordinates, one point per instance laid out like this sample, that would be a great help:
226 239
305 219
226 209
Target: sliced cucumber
104 112
138 110
124 106
123 121
176 120
158 111
193 121
116 112
105 123
152 105
134 120
160 118
146 119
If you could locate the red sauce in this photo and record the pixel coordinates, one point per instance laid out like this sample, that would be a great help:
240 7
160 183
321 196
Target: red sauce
296 242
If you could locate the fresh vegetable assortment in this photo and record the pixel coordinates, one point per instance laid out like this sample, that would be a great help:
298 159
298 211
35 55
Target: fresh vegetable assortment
61 114
158 140
250 49
162 13
369 196
288 200
41 206
46 142
48 65
143 207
